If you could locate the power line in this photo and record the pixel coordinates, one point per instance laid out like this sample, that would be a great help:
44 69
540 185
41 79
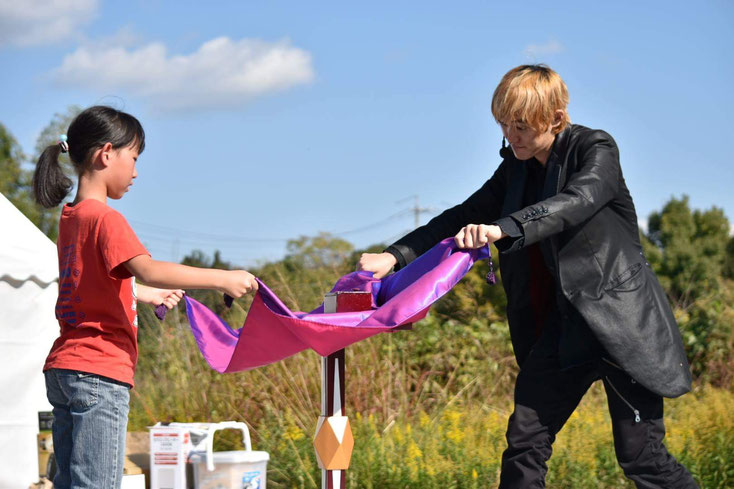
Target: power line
155 230
170 238
374 224
418 210
193 235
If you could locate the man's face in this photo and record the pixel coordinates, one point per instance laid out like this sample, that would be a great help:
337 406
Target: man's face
526 142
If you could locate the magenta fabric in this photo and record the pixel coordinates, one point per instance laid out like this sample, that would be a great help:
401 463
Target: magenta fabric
272 331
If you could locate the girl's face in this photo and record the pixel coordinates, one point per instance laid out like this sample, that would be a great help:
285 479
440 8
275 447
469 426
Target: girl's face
526 142
121 164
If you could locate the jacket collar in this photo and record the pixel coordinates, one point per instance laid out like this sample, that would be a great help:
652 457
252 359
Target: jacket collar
554 165
560 143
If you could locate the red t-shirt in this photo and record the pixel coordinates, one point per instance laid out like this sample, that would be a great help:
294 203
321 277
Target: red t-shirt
97 302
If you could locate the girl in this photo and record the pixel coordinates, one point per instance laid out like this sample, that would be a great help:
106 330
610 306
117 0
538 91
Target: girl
90 368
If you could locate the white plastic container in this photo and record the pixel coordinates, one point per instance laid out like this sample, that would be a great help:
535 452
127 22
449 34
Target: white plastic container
232 470
133 481
241 469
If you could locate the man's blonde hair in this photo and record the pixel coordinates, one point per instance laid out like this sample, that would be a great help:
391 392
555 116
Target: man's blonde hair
531 94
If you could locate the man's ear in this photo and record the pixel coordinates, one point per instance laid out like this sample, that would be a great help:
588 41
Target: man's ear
558 116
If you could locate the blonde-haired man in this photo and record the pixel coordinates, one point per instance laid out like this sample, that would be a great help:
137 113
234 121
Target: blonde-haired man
582 301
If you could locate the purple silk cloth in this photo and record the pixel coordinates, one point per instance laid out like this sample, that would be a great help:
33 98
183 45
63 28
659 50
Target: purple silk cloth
272 331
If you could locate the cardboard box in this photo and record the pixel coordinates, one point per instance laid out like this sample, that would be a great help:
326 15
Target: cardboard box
169 451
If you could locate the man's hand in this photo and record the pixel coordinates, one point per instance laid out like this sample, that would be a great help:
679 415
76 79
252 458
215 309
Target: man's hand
478 235
379 264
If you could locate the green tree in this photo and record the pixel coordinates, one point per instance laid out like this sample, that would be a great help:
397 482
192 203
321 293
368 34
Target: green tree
729 262
311 266
690 249
16 183
198 258
11 160
322 250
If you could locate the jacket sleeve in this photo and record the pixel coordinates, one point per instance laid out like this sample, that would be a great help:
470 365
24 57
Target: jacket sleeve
482 207
594 182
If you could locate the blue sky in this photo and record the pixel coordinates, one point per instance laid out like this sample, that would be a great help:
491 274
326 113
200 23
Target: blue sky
266 121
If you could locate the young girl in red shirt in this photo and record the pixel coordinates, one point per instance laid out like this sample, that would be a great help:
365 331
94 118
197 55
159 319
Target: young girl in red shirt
90 368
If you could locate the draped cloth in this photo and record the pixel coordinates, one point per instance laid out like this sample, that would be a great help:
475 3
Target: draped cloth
272 332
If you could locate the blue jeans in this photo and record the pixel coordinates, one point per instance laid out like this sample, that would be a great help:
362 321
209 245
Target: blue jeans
89 429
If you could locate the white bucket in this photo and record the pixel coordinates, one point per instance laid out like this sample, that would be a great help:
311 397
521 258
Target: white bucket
232 470
242 469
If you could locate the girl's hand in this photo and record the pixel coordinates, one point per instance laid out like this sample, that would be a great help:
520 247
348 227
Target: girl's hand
170 298
379 264
156 296
478 235
237 283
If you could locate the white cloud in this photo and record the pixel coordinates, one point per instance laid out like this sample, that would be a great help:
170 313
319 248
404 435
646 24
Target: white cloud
222 72
534 51
34 22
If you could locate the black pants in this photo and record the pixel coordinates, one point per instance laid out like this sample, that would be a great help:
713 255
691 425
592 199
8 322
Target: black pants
545 397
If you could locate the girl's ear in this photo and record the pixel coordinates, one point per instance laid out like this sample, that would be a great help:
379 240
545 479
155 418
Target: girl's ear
102 155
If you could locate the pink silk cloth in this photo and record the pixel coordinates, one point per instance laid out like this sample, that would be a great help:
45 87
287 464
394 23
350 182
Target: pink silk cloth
273 332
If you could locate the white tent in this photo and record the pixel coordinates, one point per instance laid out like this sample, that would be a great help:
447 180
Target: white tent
28 289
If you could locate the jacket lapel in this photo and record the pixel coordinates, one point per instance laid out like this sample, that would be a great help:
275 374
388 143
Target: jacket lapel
552 176
552 184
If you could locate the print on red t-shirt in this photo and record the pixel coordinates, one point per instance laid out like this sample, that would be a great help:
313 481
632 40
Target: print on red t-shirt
97 306
64 305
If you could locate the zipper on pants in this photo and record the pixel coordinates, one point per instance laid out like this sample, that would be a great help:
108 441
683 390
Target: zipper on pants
637 413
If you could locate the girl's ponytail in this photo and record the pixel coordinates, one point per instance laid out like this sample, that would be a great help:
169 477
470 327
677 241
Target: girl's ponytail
50 184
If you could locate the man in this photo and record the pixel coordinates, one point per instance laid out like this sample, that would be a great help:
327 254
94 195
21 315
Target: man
582 302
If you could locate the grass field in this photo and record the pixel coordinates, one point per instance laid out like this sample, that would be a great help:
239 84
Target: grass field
428 409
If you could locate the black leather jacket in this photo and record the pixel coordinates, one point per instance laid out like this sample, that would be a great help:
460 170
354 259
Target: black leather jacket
587 230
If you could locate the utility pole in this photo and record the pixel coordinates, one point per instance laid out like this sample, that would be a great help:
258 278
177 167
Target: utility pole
417 210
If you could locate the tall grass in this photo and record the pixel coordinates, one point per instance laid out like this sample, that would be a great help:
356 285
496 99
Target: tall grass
428 408
393 374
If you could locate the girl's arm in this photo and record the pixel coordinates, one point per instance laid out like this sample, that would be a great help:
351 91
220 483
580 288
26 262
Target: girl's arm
166 275
156 296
